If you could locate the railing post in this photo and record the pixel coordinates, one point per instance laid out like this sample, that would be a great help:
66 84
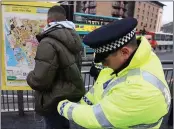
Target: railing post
20 102
84 51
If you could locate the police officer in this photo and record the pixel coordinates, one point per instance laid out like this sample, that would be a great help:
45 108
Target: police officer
132 92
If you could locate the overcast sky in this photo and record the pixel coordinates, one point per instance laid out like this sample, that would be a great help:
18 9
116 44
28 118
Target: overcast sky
167 12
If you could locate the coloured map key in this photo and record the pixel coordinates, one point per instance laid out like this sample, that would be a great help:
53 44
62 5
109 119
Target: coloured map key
11 78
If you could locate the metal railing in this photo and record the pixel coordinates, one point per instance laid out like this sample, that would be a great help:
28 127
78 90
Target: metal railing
24 100
164 62
12 101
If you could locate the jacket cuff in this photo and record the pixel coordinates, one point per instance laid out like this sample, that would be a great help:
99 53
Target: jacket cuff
62 106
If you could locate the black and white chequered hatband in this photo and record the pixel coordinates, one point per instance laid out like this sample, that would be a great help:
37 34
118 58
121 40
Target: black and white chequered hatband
116 44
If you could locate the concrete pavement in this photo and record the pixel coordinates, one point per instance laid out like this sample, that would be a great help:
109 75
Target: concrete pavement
30 121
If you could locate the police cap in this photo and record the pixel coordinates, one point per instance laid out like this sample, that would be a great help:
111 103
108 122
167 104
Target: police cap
111 37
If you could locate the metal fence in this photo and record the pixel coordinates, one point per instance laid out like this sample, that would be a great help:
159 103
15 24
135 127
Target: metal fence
24 100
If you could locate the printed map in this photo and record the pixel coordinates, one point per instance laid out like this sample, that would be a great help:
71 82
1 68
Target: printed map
20 27
21 44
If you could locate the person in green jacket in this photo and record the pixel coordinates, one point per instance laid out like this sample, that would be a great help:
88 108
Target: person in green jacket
132 92
57 74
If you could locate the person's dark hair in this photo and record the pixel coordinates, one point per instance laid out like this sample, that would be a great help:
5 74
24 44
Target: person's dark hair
57 13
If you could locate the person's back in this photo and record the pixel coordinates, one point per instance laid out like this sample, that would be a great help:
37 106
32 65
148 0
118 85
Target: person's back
56 75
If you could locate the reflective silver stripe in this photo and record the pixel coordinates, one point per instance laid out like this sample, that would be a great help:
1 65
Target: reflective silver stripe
112 84
132 72
147 77
92 90
70 110
101 118
158 84
146 126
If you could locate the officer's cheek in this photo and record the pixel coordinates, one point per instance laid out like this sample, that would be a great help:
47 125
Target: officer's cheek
115 61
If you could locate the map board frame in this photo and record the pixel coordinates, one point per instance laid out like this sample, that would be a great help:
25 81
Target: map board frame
4 85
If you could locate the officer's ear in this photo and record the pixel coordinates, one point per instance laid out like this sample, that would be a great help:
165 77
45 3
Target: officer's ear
125 52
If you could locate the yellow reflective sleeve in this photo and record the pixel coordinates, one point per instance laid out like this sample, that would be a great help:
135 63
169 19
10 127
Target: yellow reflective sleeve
84 116
63 107
81 114
83 102
93 117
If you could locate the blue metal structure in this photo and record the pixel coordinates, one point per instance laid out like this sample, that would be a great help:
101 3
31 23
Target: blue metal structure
83 27
96 16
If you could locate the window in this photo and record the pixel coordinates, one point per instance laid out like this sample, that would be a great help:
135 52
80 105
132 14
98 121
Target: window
142 17
144 5
156 10
138 9
156 16
154 27
163 37
167 38
152 14
157 37
151 20
137 16
149 7
143 11
171 38
153 8
155 21
148 13
150 26
141 23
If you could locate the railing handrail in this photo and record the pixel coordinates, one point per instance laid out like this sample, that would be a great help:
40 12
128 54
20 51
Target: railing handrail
85 71
9 104
87 63
167 62
167 68
164 62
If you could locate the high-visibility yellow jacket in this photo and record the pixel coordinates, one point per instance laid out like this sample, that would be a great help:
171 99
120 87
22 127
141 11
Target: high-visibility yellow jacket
138 97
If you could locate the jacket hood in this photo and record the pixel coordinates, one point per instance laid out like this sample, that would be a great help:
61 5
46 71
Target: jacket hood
65 33
66 24
141 55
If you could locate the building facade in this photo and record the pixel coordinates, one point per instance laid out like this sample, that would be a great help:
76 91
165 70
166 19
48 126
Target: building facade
148 13
117 8
88 7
